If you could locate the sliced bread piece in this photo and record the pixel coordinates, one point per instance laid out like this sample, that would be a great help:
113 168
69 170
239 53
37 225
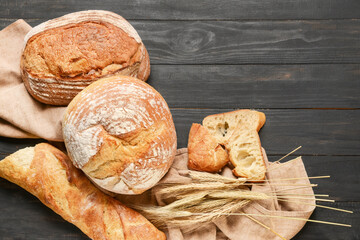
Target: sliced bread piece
205 153
238 132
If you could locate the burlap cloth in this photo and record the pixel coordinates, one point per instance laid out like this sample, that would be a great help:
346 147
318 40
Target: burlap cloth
242 227
21 116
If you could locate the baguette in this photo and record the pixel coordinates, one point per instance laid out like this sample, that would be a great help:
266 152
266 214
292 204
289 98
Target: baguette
47 173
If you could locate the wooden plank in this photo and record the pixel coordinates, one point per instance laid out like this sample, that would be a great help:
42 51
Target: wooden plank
314 165
249 42
11 145
263 42
316 231
258 86
187 9
329 132
19 209
342 185
320 132
25 217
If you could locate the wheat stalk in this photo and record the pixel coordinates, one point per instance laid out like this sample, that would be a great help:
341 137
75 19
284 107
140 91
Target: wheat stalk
267 227
211 196
237 194
283 217
317 205
177 189
210 177
287 154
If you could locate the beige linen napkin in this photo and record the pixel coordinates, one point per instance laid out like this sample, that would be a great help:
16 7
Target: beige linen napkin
241 227
21 116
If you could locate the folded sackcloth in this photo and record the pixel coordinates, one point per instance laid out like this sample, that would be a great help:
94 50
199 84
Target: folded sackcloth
242 227
21 116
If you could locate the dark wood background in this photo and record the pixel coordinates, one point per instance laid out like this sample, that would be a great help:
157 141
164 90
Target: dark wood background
296 60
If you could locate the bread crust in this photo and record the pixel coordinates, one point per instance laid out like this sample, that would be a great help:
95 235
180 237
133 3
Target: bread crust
48 174
259 124
262 120
64 55
238 171
120 132
220 131
205 153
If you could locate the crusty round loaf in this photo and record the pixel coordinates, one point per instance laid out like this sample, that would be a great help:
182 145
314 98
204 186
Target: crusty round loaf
64 55
120 132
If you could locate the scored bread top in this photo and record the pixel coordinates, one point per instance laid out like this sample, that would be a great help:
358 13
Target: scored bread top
83 50
64 55
120 132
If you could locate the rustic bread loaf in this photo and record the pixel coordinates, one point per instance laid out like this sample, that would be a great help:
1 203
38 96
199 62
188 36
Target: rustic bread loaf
47 173
64 55
237 131
120 132
205 152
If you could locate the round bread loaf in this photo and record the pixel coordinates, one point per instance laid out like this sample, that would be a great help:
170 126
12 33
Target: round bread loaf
120 132
64 55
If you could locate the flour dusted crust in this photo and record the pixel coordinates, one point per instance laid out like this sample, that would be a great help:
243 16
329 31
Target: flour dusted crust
120 132
48 174
64 55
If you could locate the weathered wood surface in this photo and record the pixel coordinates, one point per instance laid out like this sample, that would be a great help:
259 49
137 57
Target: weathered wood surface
260 42
258 86
316 231
249 42
320 132
297 60
343 182
341 186
188 9
27 218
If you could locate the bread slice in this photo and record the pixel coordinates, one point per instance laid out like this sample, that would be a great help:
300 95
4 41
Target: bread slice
238 132
205 153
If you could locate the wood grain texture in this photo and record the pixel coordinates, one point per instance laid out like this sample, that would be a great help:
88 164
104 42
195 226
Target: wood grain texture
320 132
187 9
248 42
342 185
284 58
314 165
27 218
11 145
35 221
263 42
316 231
258 86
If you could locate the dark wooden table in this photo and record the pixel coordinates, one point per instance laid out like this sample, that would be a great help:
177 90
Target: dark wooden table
296 60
